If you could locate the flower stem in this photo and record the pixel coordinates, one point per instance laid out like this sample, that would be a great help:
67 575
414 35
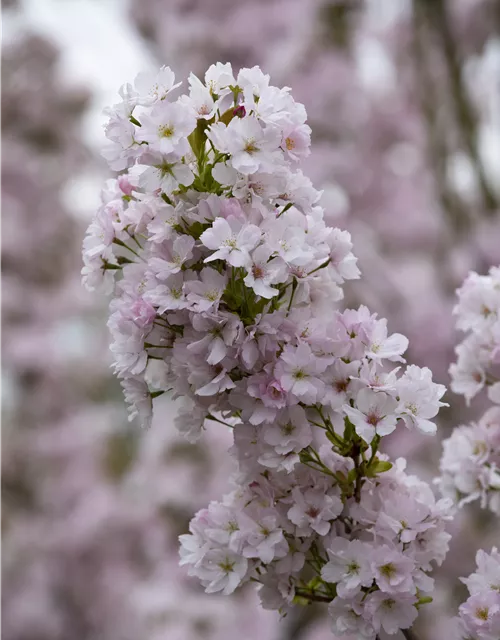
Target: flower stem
294 287
314 597
226 424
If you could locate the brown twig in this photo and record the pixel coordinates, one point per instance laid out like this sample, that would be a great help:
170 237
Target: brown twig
451 204
313 597
464 111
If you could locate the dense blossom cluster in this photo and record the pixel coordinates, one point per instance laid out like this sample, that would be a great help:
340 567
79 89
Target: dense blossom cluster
478 355
381 146
479 616
304 537
470 465
229 277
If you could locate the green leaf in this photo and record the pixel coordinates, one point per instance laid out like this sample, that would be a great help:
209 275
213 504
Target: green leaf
351 476
123 260
196 229
341 477
315 583
285 209
156 394
233 300
378 466
331 437
197 138
424 600
348 429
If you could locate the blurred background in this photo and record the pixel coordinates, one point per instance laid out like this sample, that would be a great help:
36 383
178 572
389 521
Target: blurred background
403 99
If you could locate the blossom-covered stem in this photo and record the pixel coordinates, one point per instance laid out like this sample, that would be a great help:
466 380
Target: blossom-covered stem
246 352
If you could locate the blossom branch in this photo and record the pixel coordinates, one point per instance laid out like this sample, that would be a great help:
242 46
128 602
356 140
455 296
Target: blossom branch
236 304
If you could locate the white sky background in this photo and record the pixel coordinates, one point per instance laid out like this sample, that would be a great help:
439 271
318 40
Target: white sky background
100 50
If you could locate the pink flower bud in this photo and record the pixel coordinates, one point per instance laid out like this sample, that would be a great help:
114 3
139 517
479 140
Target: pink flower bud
142 313
240 111
125 185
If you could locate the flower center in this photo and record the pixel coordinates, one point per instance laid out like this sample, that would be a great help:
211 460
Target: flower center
232 526
288 428
166 131
257 271
373 419
341 385
257 188
299 374
165 168
212 295
250 146
482 613
388 570
480 448
226 566
299 272
412 408
290 144
230 242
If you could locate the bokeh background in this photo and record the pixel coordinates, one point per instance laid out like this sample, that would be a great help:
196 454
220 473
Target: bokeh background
404 102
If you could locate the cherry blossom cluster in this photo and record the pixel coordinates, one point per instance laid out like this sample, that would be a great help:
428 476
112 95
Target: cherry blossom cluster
479 616
478 355
470 464
229 279
307 536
